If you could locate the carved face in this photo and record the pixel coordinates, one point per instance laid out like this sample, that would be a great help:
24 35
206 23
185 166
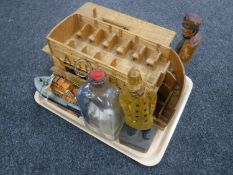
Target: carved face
188 30
191 25
138 92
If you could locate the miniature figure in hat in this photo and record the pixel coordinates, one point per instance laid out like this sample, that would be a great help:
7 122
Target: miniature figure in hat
138 104
191 37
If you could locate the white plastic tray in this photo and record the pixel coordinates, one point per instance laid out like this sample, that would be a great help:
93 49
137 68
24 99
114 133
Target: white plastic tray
159 143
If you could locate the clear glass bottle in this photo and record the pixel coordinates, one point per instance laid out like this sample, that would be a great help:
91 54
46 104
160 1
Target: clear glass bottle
99 103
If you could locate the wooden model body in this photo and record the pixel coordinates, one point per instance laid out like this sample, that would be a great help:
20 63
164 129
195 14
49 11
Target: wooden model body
95 36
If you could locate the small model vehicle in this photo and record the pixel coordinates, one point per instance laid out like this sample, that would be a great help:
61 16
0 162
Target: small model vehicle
59 91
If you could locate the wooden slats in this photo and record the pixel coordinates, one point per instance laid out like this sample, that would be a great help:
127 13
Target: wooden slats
170 80
165 94
164 91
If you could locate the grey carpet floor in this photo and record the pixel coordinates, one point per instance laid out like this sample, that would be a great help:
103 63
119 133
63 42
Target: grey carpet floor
35 141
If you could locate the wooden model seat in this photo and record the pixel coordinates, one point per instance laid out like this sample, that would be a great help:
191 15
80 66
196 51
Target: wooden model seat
85 31
140 53
110 42
153 58
97 36
125 47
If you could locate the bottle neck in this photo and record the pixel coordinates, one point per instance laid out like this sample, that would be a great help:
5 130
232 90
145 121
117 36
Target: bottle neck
98 84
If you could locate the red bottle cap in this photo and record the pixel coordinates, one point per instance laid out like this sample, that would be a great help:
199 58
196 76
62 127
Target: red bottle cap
97 74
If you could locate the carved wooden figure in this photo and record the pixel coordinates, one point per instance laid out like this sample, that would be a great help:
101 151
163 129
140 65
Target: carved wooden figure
191 37
138 103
